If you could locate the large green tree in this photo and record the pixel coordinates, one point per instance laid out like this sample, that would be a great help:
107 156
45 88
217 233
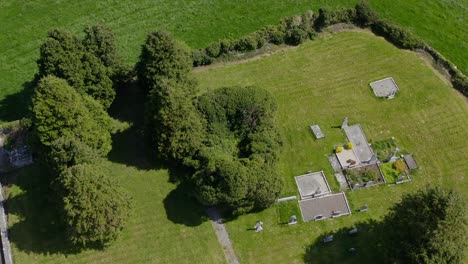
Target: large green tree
173 122
100 41
95 207
428 226
162 57
59 111
64 55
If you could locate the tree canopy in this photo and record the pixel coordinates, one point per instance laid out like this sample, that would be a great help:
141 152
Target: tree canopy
59 111
428 226
85 64
95 207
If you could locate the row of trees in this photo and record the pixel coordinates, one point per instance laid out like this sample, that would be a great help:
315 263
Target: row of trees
226 139
73 132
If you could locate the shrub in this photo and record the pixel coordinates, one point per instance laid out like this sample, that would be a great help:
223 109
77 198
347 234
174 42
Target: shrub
397 35
214 49
247 43
226 45
328 17
349 145
200 58
295 36
339 149
275 34
365 15
399 165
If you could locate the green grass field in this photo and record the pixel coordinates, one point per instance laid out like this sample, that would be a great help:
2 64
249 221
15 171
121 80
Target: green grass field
25 25
321 82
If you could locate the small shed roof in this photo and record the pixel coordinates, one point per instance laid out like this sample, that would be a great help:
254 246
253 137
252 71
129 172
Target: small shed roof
410 162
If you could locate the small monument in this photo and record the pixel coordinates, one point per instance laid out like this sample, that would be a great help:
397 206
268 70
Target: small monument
352 251
353 231
258 226
327 239
393 157
292 220
318 217
345 123
318 192
364 208
373 159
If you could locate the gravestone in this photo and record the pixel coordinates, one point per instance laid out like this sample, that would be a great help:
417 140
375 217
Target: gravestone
258 226
373 159
352 251
364 208
318 217
327 239
353 231
292 220
393 157
345 123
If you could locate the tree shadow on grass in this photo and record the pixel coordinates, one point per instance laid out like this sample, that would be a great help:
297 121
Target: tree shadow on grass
367 243
182 208
131 146
15 106
39 227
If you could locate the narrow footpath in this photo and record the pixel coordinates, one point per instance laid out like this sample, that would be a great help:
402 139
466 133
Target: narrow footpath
223 236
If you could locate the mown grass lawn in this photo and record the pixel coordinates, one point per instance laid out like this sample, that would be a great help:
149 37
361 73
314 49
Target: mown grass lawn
25 25
321 82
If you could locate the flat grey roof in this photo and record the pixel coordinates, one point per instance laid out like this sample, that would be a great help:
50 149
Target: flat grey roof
309 183
324 206
361 147
317 131
410 162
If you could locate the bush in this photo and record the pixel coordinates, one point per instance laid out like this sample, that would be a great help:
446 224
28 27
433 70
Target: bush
349 145
365 15
295 36
328 17
200 58
275 34
214 49
397 35
339 149
399 165
226 45
247 43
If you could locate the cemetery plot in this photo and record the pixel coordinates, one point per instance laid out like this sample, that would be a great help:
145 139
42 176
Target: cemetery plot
385 88
364 176
330 206
360 145
312 184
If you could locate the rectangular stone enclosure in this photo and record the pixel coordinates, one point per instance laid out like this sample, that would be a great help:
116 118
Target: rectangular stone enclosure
384 88
329 206
312 184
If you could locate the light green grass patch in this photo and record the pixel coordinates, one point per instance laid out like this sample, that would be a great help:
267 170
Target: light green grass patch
323 81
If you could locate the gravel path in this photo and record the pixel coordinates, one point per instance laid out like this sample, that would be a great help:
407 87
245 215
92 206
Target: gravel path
223 236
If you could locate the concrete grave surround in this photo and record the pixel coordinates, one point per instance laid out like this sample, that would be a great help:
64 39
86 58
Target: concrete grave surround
385 87
310 182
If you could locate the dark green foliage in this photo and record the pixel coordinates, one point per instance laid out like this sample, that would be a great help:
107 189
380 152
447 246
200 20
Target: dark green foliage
99 40
95 207
365 15
226 45
397 35
329 17
58 110
236 165
174 123
295 36
66 152
275 34
428 226
172 119
200 57
162 57
213 49
63 55
246 43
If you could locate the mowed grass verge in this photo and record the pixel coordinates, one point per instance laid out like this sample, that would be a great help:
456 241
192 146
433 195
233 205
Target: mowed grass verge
26 23
321 82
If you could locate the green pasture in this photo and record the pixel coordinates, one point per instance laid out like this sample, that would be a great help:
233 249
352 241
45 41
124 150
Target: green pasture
24 25
321 82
